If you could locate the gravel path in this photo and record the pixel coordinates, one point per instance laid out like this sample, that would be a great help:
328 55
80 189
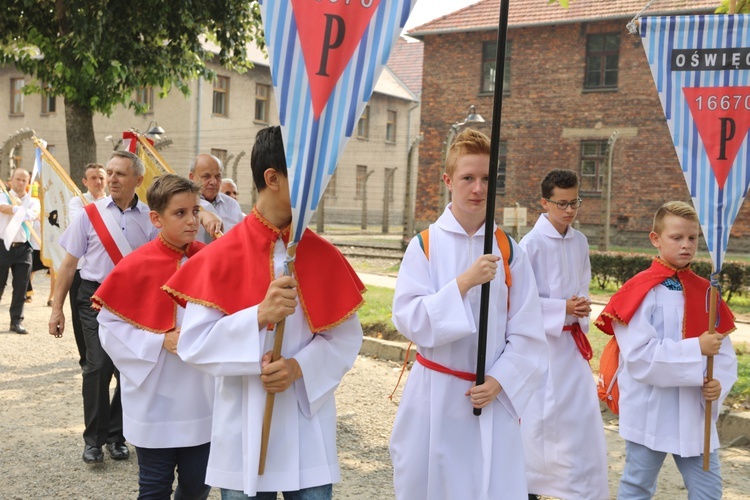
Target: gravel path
41 425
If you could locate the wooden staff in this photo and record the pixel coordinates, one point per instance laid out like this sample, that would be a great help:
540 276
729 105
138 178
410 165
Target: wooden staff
713 300
275 355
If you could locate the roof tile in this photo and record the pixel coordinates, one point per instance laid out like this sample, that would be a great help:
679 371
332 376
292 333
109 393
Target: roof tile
485 15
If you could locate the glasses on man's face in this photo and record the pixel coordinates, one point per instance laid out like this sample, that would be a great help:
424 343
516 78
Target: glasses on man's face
563 205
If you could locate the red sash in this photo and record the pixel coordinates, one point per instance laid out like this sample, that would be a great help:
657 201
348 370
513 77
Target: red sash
431 365
581 340
103 233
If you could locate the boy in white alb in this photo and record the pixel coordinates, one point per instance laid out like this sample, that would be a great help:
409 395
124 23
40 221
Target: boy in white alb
439 448
235 291
563 435
166 403
660 321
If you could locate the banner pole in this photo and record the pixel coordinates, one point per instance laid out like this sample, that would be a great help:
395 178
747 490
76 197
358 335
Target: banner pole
275 355
489 232
714 298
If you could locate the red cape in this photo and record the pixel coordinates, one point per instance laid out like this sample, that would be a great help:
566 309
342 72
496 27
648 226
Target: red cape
626 301
235 271
133 290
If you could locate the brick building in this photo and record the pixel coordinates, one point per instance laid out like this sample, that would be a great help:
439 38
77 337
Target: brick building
573 77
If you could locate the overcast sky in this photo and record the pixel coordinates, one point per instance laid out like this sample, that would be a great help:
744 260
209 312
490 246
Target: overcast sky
427 10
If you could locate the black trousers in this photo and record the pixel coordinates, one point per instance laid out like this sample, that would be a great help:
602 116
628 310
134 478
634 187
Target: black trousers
18 260
102 417
76 318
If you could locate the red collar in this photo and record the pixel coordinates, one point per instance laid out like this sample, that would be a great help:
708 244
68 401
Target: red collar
133 291
235 271
626 301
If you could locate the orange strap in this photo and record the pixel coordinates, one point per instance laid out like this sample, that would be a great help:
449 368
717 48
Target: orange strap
503 242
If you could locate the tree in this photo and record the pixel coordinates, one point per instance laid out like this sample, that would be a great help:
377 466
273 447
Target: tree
96 53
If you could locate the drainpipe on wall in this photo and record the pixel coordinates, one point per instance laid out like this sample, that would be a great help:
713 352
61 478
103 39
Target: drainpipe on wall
198 117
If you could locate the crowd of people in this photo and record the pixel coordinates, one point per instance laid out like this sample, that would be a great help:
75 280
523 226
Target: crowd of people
180 299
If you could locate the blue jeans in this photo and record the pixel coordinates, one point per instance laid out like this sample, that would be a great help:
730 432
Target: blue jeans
642 467
324 492
156 472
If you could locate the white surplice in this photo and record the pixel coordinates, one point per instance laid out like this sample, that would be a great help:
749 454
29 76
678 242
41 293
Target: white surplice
166 403
302 442
563 434
661 403
439 448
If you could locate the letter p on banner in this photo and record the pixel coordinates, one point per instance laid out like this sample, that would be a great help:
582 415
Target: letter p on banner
706 101
325 57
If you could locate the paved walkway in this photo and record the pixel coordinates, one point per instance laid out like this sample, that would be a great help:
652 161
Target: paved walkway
742 334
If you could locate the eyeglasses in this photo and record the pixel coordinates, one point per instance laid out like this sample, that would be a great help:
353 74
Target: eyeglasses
563 205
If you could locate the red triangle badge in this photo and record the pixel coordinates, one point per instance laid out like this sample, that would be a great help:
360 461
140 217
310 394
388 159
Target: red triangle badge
329 32
722 116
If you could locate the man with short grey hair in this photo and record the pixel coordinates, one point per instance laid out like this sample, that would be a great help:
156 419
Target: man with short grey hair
206 171
103 233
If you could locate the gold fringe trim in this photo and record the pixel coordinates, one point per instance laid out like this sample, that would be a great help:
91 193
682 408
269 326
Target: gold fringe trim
173 247
611 316
330 325
135 323
194 300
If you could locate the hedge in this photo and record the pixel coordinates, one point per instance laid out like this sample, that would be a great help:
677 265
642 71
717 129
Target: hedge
617 267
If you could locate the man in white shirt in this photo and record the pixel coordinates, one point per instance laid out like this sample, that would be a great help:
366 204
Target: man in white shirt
103 233
206 171
95 180
17 207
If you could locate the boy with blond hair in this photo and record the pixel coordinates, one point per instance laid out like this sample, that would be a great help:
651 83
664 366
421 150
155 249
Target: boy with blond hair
166 403
659 319
439 448
563 435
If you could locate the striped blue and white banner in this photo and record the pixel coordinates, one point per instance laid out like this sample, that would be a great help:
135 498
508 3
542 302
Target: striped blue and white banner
325 57
701 68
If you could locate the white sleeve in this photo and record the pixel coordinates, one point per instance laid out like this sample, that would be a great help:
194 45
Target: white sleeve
652 360
324 362
553 309
75 206
524 361
426 316
220 344
134 352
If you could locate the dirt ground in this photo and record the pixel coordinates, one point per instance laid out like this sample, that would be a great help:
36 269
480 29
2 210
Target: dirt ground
41 424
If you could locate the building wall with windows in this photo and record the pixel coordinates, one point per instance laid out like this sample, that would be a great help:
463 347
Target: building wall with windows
569 87
222 118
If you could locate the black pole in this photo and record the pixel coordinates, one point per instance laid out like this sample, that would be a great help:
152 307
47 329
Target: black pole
484 307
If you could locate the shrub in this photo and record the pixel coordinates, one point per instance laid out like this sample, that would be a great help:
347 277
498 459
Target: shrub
618 267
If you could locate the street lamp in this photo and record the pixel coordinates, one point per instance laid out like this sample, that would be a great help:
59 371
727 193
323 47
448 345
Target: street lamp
154 132
471 118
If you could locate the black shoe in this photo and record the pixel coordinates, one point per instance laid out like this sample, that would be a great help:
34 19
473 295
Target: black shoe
18 328
93 455
118 451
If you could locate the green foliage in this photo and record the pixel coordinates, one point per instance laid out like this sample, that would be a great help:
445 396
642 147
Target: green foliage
743 7
95 53
377 306
615 268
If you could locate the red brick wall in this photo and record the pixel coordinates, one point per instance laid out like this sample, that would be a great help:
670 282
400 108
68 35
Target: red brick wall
547 97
